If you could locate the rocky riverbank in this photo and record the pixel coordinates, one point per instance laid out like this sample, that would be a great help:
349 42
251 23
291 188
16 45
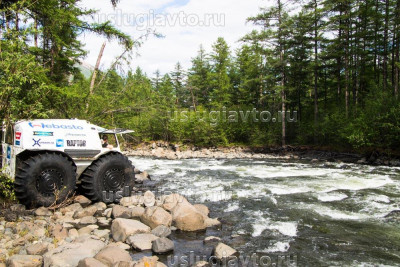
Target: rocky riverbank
95 234
167 150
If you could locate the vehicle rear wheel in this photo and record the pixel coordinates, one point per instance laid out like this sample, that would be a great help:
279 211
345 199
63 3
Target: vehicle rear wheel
108 178
45 179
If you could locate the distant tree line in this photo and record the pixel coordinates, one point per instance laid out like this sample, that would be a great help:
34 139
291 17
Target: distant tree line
336 63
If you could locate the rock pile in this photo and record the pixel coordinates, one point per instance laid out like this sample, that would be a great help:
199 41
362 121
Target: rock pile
86 234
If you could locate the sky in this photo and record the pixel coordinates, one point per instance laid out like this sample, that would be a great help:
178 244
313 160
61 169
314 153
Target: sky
185 24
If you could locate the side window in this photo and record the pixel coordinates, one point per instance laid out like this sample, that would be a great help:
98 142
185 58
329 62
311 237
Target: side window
10 135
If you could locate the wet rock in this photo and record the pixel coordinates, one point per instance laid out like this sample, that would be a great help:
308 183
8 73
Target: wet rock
209 222
172 200
88 211
155 216
162 245
121 212
161 231
223 251
149 199
37 249
137 212
122 228
42 211
91 262
25 261
84 201
203 209
187 218
209 239
111 255
69 254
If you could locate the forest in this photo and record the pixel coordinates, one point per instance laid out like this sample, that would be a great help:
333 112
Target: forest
327 70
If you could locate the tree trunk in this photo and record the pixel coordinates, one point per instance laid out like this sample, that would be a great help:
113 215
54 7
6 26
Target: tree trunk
315 72
282 67
96 68
385 46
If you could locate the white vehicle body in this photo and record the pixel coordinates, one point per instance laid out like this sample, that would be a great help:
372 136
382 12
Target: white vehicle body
78 139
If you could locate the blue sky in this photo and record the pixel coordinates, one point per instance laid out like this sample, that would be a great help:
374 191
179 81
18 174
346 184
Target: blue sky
185 25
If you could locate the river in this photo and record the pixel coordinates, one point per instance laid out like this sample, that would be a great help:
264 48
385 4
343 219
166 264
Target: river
315 214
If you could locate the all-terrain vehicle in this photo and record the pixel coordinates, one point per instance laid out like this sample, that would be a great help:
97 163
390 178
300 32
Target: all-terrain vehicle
47 159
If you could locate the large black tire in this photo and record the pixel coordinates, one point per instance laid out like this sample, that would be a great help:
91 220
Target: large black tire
107 177
45 179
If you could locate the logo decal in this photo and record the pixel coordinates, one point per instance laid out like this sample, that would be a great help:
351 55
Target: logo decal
17 135
76 143
39 133
55 126
39 142
8 152
36 142
60 143
17 142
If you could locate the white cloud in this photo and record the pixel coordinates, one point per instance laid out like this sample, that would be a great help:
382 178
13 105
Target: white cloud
181 41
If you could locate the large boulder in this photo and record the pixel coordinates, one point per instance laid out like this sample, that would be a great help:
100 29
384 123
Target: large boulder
172 200
187 217
111 255
203 209
141 241
25 261
122 228
131 201
69 254
155 216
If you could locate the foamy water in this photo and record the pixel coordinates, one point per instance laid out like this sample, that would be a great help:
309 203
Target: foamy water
284 200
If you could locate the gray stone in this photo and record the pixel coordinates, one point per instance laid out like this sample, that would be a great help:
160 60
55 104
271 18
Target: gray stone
141 241
122 228
88 211
137 212
17 208
84 201
87 220
37 249
42 211
161 231
162 245
121 212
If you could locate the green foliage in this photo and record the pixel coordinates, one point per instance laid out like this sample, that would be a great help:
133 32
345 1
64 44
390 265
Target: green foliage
6 188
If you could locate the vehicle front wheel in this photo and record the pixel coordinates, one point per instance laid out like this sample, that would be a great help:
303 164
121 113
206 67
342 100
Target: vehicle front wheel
45 179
